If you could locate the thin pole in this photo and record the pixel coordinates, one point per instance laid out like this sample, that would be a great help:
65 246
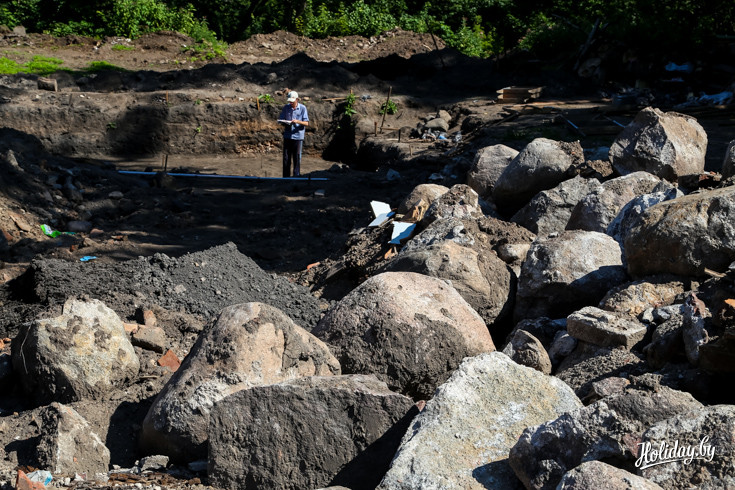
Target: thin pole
217 176
385 111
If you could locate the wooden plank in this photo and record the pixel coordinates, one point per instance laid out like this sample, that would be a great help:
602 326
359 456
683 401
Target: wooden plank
521 90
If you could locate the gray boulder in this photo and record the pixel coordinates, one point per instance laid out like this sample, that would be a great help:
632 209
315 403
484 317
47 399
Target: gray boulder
707 433
596 474
409 329
666 144
307 433
628 216
605 328
482 279
588 364
684 236
250 344
67 443
562 274
635 297
459 202
608 429
487 166
596 210
550 210
441 230
667 343
541 165
462 437
83 353
527 350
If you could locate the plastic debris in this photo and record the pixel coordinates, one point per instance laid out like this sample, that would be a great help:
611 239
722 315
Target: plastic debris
365 97
392 175
401 231
381 211
716 99
686 67
41 476
48 231
87 258
457 137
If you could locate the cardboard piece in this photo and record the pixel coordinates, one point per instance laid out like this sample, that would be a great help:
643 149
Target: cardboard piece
381 211
401 231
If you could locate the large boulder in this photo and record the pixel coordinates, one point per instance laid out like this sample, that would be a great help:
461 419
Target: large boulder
307 433
567 272
666 144
605 328
541 165
487 166
596 210
462 437
446 229
482 279
636 297
67 443
608 429
527 350
696 449
587 364
628 216
251 344
459 202
684 236
549 211
596 474
82 353
409 329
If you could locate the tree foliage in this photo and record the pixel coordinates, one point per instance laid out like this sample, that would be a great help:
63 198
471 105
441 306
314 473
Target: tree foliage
475 27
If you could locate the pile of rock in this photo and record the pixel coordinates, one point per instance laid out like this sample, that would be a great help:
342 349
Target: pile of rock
611 298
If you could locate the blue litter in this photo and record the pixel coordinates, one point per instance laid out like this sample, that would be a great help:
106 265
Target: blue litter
41 476
87 258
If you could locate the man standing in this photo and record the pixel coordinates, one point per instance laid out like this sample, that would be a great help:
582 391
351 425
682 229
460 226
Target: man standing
295 117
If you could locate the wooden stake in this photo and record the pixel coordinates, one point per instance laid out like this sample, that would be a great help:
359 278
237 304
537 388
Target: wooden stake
390 90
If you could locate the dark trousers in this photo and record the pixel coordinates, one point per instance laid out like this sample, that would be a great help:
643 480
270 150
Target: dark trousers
292 153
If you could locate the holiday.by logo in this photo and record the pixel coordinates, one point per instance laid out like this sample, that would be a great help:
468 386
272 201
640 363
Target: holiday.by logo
667 453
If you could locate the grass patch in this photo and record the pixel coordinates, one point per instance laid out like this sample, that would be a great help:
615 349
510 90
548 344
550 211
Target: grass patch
122 47
43 66
39 65
97 66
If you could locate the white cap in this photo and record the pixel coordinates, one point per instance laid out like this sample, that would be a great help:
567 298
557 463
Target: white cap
292 95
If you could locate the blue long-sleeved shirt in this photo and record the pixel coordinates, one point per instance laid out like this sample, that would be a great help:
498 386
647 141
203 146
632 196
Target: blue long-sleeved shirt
294 131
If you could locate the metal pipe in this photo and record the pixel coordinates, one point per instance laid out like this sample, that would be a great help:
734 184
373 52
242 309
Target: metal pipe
242 177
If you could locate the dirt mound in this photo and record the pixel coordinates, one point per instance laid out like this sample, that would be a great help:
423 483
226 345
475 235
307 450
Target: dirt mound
280 45
200 283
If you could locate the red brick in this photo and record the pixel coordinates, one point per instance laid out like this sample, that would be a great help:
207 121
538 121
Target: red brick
23 483
170 361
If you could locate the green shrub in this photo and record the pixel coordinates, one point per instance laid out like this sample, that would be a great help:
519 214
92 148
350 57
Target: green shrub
81 28
388 107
